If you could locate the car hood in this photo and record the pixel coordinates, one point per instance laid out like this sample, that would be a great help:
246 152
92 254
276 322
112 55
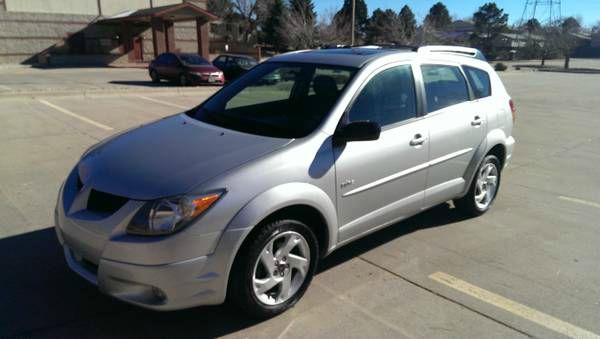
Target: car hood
169 157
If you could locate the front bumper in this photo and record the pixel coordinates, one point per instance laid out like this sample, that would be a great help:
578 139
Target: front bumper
184 270
185 284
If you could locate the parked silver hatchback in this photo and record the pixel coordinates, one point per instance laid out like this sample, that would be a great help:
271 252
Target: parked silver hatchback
241 196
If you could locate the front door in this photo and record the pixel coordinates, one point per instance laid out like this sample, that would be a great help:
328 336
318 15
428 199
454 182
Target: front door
138 49
457 128
382 181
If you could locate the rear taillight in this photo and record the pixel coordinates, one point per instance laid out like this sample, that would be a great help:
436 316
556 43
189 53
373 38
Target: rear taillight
513 109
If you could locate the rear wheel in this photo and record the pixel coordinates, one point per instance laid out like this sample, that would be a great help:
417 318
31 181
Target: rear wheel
483 190
274 268
154 76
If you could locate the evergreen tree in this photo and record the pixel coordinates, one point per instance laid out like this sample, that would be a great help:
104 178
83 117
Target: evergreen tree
407 23
490 22
343 18
383 27
274 30
438 16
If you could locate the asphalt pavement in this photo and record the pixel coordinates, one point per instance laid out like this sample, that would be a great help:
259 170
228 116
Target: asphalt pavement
528 268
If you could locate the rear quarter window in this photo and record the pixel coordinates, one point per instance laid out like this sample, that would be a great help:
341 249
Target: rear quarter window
479 80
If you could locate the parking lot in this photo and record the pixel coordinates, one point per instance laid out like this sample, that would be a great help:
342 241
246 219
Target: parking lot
528 268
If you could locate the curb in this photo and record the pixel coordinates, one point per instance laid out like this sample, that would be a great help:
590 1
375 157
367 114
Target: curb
108 92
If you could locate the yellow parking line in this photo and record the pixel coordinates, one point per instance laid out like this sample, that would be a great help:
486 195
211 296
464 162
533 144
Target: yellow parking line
579 201
513 307
164 102
76 116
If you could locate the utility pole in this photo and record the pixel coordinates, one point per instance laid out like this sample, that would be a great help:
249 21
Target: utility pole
353 20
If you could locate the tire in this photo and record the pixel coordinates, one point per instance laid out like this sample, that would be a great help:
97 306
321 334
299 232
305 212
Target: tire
472 204
154 76
253 284
183 80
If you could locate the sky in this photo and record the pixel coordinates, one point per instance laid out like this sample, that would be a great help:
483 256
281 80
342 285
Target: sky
588 10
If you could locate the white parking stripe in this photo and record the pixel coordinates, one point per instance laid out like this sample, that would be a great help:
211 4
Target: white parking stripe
164 102
513 307
580 201
76 116
5 88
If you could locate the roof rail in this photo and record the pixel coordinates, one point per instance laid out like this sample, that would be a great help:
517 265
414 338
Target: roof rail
456 50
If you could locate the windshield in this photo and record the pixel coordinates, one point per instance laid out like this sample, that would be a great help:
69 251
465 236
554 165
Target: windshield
247 63
192 59
285 100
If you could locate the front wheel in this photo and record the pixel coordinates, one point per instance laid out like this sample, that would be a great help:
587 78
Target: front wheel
484 188
183 80
154 76
274 268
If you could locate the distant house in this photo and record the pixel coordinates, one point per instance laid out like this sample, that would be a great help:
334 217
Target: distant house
588 44
459 31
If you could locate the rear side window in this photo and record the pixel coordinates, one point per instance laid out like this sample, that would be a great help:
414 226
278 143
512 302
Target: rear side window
170 59
162 59
480 81
388 98
444 86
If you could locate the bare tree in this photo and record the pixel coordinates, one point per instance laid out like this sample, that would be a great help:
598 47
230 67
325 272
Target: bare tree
332 31
246 10
427 34
300 30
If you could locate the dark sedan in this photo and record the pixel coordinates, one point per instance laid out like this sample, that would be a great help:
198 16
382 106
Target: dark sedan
185 68
234 65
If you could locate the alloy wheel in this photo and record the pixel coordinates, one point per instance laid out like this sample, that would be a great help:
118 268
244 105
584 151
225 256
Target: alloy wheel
281 268
486 186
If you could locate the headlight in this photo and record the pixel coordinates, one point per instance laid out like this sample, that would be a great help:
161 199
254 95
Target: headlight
167 216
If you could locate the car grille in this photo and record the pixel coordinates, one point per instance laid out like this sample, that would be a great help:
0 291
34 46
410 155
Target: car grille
101 202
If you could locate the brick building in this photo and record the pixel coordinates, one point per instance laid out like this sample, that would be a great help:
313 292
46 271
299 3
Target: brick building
62 32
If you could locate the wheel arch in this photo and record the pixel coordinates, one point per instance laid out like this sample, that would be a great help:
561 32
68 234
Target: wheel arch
494 143
302 201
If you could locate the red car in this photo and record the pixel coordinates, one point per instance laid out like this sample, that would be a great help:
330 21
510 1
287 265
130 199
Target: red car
185 68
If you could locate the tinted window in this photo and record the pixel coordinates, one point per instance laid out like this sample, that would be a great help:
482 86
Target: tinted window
444 86
388 98
193 59
246 63
220 59
285 100
162 59
170 59
480 81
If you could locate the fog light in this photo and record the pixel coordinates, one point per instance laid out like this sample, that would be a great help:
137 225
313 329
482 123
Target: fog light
160 295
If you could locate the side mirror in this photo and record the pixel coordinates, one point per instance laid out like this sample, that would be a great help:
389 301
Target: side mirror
358 131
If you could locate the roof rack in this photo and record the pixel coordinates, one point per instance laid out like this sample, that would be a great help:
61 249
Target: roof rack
456 50
375 46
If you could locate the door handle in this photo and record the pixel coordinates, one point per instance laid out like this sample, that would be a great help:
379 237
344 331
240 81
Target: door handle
477 121
418 140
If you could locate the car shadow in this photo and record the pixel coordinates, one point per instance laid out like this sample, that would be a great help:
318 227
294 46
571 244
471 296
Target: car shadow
40 296
143 83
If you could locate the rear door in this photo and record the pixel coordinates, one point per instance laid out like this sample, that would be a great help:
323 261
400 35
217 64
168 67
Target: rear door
382 181
456 126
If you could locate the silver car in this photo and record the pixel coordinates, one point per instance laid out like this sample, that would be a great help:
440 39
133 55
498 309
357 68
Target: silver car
241 197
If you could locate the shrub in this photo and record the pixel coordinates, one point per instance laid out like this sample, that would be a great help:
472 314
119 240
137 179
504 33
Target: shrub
500 67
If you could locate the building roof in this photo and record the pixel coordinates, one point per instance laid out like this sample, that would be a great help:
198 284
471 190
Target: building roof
177 12
350 57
